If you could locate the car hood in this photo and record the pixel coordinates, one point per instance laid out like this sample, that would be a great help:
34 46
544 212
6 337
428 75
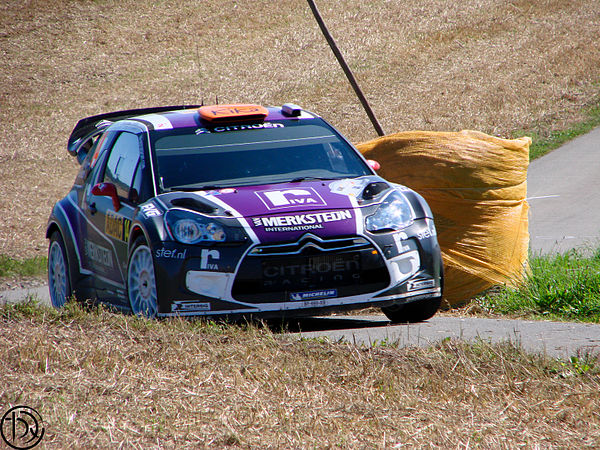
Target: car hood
285 211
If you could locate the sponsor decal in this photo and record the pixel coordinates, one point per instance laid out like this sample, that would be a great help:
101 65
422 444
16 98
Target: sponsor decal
150 210
299 228
352 188
300 222
158 121
417 285
217 192
313 295
425 235
399 239
117 226
172 254
309 272
97 151
206 256
187 306
311 268
98 254
430 232
290 198
256 126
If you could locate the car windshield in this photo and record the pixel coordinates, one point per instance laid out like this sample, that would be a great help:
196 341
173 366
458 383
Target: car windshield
245 155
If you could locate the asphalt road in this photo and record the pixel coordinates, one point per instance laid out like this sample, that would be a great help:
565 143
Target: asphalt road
563 189
556 339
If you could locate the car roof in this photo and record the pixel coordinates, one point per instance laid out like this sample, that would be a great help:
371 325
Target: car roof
191 117
170 117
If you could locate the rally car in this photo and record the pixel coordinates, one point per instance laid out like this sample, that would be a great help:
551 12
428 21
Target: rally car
237 210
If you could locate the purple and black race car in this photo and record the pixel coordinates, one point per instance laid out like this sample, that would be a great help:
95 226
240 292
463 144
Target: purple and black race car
237 210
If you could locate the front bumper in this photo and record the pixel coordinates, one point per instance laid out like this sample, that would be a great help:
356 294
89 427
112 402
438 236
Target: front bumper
312 275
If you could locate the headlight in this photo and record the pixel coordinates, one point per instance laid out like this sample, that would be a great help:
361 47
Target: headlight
189 228
395 213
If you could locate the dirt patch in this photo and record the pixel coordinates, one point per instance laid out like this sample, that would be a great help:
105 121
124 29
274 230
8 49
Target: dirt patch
490 65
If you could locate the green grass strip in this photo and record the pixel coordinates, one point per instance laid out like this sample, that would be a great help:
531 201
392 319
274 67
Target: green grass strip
11 267
544 144
559 287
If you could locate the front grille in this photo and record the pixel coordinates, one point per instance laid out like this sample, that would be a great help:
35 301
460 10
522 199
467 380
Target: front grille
310 241
271 273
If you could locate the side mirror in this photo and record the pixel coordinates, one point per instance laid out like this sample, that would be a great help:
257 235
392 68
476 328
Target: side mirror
108 190
373 164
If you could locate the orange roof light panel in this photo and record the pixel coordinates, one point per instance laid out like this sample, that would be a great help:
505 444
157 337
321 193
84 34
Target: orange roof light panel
233 113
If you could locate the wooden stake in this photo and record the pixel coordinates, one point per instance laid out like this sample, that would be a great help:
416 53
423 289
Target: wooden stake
345 68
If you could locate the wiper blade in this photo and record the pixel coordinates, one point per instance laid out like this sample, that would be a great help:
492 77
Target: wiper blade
194 187
298 179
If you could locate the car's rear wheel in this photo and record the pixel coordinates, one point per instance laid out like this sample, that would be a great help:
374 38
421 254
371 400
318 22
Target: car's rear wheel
59 283
141 281
413 312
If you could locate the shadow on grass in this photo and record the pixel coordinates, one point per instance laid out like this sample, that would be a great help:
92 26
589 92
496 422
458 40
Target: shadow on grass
306 324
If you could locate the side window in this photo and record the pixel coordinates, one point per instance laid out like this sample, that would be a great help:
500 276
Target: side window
100 146
122 162
135 194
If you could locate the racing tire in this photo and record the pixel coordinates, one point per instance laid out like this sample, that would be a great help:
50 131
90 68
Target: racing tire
141 281
59 283
413 312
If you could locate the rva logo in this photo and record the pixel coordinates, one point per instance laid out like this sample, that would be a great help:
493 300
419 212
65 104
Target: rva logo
206 258
290 198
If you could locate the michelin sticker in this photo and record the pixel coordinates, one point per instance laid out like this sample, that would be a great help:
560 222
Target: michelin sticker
313 295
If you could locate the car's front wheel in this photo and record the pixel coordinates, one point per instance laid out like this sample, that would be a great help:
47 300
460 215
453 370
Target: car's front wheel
59 283
141 281
413 312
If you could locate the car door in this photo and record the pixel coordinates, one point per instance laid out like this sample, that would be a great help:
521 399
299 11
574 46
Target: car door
109 218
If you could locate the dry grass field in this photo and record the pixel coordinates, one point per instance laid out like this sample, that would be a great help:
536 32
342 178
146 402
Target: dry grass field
498 66
102 380
110 381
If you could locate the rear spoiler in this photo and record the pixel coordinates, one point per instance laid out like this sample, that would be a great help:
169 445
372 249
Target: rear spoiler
92 124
